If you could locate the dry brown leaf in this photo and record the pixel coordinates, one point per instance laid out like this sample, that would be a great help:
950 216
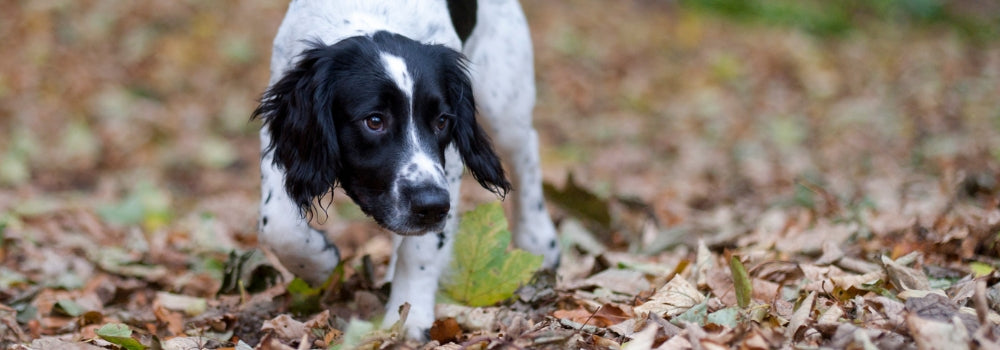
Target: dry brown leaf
612 314
890 312
849 281
470 318
904 278
578 315
56 343
831 317
754 341
942 335
445 330
811 241
173 320
642 340
800 317
184 343
192 306
675 297
320 320
703 264
676 342
285 328
628 282
270 342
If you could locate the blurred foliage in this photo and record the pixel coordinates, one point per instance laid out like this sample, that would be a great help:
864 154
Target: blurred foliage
147 204
971 18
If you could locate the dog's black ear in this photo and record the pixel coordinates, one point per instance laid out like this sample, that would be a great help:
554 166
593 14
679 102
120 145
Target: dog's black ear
471 140
297 113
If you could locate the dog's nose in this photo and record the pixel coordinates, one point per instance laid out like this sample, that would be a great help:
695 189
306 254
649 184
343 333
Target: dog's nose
429 205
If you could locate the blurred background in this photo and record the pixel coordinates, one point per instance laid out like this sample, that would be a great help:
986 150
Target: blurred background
681 103
131 118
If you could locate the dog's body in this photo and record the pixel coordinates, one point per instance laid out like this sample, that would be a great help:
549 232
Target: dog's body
376 97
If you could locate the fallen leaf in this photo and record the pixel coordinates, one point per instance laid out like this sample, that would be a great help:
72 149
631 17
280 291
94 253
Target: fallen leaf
173 320
674 298
121 335
581 202
728 317
191 306
642 340
933 334
903 277
445 330
703 264
741 282
69 307
285 327
628 282
800 317
471 318
185 343
355 334
936 307
482 271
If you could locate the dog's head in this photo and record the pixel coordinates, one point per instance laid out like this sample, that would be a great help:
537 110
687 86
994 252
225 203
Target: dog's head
375 114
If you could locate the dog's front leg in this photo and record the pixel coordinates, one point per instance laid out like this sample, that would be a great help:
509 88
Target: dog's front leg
303 250
418 262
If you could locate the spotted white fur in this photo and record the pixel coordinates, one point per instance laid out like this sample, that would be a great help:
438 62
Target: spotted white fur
502 72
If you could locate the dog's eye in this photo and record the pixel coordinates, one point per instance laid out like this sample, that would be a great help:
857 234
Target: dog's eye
374 122
442 122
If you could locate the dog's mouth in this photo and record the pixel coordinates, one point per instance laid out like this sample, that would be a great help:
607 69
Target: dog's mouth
408 224
402 221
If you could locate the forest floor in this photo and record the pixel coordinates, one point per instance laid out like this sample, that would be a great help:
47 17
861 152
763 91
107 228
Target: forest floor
718 181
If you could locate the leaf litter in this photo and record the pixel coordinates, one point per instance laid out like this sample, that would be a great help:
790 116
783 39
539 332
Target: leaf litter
752 183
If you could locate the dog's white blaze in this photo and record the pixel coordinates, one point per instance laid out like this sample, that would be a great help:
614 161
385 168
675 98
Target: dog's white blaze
396 68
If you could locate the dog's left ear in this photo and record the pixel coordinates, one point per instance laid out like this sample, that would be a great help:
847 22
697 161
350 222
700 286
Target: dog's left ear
471 140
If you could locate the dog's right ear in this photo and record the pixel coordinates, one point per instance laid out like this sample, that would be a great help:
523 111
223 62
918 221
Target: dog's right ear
297 112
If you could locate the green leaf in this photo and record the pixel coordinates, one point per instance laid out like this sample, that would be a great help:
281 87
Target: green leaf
696 314
69 307
741 282
306 298
146 204
483 272
728 317
121 335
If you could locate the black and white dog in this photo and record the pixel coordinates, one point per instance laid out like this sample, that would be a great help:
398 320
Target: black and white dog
381 98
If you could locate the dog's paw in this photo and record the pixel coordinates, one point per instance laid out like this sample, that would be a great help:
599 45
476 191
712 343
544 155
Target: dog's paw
537 235
417 321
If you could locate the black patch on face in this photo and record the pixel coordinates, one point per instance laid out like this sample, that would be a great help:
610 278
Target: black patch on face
441 239
316 115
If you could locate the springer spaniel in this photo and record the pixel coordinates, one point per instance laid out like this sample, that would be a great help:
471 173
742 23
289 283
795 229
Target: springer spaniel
380 97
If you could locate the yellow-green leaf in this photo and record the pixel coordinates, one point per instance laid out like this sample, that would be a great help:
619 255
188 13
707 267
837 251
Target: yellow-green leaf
483 272
980 269
741 282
